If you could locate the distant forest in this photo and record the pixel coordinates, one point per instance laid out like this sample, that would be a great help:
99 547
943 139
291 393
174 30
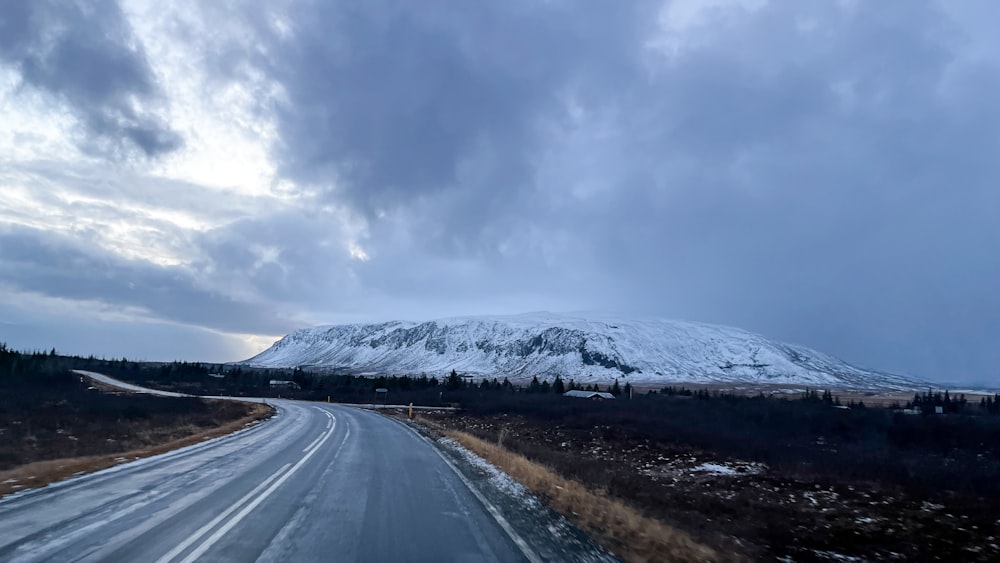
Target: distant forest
238 380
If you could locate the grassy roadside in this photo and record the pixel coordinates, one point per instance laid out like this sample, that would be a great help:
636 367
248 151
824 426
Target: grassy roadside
32 462
616 526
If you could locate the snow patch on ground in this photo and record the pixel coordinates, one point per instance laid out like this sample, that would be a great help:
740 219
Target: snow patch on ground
685 467
834 556
498 479
548 533
715 468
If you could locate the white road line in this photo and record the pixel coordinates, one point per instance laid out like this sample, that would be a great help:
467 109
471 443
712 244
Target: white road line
495 513
215 521
318 438
221 532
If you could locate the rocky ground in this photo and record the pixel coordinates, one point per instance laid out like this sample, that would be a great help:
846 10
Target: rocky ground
746 507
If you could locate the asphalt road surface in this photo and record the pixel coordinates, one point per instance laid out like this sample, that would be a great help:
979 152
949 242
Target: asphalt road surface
316 483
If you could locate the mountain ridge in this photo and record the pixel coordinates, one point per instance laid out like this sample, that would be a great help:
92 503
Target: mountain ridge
590 348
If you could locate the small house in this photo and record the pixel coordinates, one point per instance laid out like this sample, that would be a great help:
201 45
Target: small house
598 395
284 384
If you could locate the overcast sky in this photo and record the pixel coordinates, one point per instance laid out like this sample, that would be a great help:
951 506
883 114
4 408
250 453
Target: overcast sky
191 180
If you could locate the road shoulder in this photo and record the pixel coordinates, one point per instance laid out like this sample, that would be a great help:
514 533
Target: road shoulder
551 536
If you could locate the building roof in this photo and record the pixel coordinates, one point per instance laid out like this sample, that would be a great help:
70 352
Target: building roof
588 394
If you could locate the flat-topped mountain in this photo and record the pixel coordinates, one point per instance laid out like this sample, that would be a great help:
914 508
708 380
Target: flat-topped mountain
594 348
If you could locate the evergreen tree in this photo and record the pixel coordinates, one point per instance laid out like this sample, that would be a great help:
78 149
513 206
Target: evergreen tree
535 385
454 382
559 386
545 387
615 389
991 405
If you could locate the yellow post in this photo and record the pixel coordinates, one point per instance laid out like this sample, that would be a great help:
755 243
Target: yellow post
411 411
328 398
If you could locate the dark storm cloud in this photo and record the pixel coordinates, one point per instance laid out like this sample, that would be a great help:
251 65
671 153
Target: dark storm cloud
816 172
58 266
87 56
857 224
392 101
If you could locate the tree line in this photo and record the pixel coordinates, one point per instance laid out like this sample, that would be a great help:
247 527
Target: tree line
230 379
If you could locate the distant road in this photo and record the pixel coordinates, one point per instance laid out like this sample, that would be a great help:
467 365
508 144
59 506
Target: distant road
317 483
126 385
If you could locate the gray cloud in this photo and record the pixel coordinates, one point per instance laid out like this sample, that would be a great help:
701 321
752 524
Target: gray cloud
772 176
87 56
27 328
296 256
59 266
819 173
50 180
390 102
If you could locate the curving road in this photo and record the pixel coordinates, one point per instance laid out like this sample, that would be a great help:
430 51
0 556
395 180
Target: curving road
316 483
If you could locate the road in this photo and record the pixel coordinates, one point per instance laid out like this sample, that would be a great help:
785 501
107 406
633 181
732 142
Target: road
316 483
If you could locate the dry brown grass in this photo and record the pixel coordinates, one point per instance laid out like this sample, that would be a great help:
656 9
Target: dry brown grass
615 525
41 473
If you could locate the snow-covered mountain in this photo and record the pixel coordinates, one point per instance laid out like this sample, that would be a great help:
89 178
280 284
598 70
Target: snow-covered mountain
588 349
